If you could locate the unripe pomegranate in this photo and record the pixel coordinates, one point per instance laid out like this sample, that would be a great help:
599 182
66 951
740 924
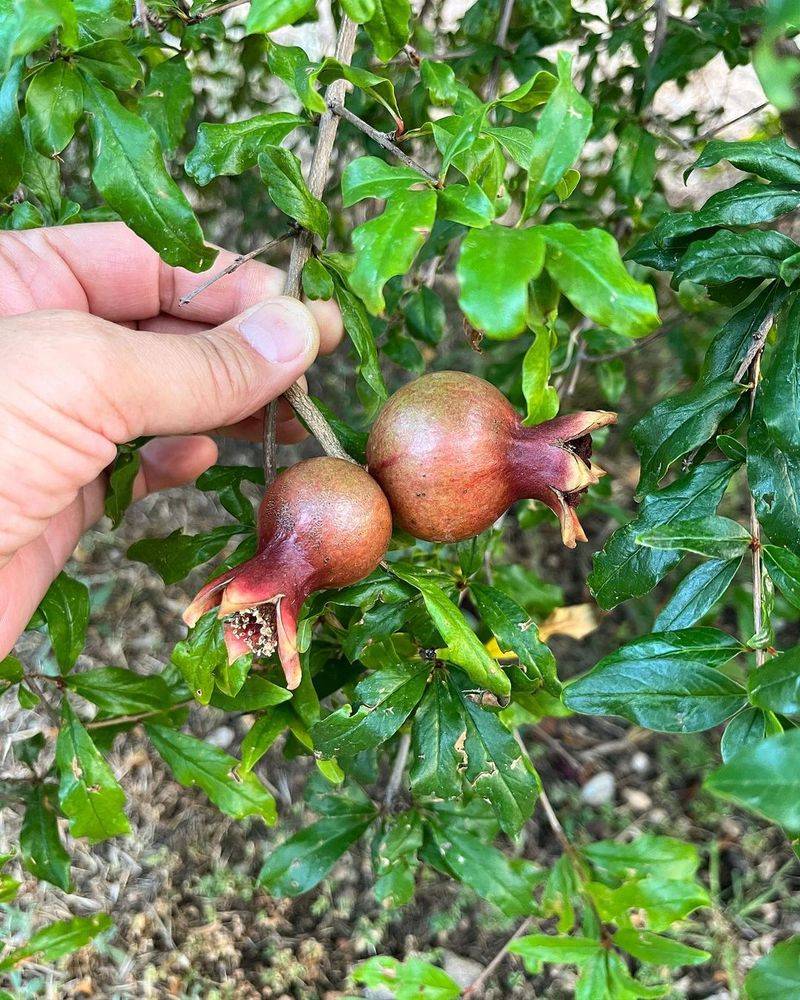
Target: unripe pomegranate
322 523
452 454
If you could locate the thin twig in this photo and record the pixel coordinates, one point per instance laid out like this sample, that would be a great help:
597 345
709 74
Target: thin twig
756 346
383 139
637 345
142 16
212 11
474 988
659 37
398 769
49 708
755 531
138 717
720 128
237 262
500 41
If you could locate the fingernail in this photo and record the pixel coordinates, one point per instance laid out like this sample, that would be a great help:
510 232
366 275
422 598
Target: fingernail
281 330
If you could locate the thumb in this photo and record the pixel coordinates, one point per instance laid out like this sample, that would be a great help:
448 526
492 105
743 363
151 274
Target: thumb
179 383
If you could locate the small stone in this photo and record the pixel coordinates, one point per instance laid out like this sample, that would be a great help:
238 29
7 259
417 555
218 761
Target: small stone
637 800
599 790
463 971
640 763
378 993
221 737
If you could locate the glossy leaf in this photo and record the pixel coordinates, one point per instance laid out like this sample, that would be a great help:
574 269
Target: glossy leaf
645 855
43 854
463 646
387 245
776 684
89 794
231 148
389 27
625 569
586 266
783 567
111 63
776 976
746 729
268 15
371 177
175 556
395 859
466 204
283 176
356 323
128 171
54 103
494 269
11 136
764 778
196 763
65 609
728 256
560 134
713 536
408 980
696 594
167 102
536 948
437 750
658 950
55 940
117 691
772 159
668 681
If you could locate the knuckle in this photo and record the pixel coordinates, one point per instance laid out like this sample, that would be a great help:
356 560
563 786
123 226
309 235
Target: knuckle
231 376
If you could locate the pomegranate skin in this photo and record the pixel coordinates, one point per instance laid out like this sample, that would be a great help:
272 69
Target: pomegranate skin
452 455
323 523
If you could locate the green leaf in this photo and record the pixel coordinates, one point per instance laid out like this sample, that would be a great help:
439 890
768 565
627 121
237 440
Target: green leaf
121 478
167 101
696 594
541 398
25 25
494 268
317 280
359 10
379 88
196 763
231 148
268 15
198 656
783 567
463 646
772 159
764 778
657 950
292 65
263 733
533 92
561 131
514 629
645 855
506 883
728 256
280 171
388 29
128 171
536 948
395 859
387 245
255 693
89 794
43 854
56 940
425 315
667 681
387 697
633 169
776 684
175 556
437 751
746 729
776 976
408 980
356 323
227 481
586 266
773 441
713 536
54 103
11 672
111 63
117 691
440 82
371 177
302 861
663 900
497 768
680 424
466 204
625 569
11 136
65 609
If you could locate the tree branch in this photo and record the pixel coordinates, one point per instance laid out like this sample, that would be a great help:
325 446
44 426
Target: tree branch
475 988
383 139
500 41
399 766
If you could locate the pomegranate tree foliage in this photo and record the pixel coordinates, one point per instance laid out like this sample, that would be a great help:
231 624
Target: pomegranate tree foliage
431 670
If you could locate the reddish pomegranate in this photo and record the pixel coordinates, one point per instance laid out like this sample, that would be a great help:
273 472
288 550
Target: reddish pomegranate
322 523
452 454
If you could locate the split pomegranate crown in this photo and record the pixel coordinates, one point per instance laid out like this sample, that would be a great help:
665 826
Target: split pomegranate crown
447 456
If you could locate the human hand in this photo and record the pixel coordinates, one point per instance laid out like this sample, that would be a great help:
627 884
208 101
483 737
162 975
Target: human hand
95 350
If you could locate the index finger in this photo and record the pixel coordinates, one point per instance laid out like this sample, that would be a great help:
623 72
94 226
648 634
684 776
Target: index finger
106 269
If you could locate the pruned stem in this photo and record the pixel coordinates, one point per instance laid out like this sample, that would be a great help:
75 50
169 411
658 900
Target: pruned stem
237 262
383 140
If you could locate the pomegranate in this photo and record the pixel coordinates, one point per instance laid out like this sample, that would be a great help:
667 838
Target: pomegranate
452 454
323 523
